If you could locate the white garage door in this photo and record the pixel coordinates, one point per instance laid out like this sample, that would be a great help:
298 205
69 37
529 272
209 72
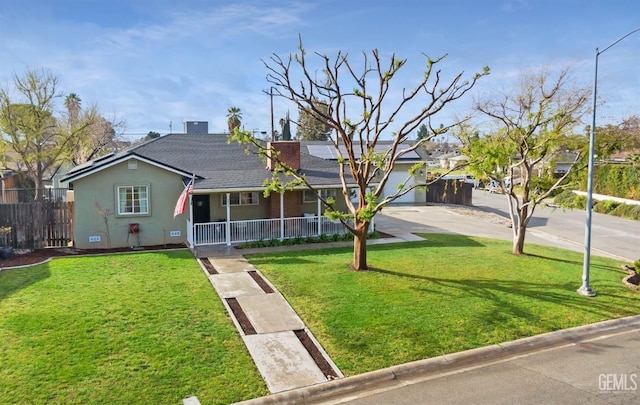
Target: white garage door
392 186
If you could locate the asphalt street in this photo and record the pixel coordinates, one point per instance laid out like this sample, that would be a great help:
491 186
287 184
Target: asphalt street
610 235
605 370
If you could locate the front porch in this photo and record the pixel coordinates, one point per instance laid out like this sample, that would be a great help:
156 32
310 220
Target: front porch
237 232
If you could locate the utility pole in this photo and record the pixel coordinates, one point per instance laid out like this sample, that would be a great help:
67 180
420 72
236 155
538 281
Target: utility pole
273 132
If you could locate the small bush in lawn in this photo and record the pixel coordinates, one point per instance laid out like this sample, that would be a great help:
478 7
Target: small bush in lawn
347 236
636 264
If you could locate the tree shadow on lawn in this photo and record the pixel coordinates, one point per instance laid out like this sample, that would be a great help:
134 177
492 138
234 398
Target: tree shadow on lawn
499 291
298 257
577 263
13 280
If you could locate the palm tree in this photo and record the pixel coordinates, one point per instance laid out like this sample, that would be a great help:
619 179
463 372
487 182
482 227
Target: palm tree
72 103
234 117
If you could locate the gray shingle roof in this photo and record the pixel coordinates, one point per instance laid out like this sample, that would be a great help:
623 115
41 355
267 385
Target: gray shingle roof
218 165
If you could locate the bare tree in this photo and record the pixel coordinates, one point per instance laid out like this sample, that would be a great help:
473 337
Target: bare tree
533 124
29 128
38 138
98 138
360 108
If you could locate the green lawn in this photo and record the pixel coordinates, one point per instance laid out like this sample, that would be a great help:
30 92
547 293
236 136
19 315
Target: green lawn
450 293
118 329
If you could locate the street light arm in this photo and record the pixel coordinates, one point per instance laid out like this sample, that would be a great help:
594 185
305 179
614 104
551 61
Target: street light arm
618 40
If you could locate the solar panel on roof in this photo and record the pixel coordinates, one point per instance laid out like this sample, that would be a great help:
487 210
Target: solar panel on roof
322 151
328 152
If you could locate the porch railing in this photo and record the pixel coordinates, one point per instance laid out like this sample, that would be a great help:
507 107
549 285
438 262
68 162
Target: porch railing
215 233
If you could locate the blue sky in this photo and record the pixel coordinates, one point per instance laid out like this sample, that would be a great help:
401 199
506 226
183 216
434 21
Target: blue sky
152 63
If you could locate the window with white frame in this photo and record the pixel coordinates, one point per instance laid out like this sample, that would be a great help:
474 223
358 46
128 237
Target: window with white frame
310 196
133 200
244 198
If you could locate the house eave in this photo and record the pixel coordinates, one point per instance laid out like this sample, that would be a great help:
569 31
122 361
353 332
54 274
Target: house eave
95 169
261 189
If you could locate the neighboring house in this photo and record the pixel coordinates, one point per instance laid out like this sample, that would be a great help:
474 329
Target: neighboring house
457 161
129 196
9 182
54 176
561 162
399 174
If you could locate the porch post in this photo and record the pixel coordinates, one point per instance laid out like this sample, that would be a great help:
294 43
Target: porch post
282 215
228 226
190 223
319 217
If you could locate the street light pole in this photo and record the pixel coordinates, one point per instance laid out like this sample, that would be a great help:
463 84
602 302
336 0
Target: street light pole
585 289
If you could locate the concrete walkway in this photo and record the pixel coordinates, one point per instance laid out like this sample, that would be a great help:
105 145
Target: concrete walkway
267 324
285 352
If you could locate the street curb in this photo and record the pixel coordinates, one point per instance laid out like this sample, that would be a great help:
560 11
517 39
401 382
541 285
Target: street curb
396 376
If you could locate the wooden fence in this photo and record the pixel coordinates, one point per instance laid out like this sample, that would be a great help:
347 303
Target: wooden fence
36 224
450 191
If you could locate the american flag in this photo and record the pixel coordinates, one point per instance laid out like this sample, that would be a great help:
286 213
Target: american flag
182 200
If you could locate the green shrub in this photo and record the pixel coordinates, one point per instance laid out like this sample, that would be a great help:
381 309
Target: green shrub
580 202
628 211
565 198
605 207
636 264
618 181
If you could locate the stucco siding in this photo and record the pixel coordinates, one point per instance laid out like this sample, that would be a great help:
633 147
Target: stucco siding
98 193
238 212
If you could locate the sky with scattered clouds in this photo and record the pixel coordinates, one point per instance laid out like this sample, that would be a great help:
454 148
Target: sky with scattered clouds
158 63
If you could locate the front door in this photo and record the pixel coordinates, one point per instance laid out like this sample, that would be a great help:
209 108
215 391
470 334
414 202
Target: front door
200 208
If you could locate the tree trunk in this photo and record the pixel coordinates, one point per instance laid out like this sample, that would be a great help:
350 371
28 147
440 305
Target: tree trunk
518 240
360 247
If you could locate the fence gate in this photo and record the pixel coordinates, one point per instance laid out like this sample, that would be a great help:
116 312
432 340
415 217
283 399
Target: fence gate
450 191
